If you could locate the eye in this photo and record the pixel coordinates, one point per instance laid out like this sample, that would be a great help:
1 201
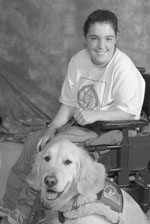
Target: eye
109 38
67 162
47 158
93 38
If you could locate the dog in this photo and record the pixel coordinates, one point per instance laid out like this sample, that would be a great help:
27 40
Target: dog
69 181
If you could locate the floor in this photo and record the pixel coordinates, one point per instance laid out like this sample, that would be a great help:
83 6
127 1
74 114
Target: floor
9 153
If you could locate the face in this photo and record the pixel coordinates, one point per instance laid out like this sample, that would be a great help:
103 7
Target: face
63 170
100 42
58 169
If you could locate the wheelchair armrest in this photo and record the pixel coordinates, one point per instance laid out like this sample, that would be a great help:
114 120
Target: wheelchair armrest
117 124
125 124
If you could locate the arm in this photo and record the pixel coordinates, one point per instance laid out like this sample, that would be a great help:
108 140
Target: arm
87 117
62 117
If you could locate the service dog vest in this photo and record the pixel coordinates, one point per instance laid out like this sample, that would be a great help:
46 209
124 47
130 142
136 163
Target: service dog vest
111 196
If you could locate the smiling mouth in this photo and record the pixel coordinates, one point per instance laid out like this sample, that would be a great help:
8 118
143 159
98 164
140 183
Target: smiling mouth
52 195
100 52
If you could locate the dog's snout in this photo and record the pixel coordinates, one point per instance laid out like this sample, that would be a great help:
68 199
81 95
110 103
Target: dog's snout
50 181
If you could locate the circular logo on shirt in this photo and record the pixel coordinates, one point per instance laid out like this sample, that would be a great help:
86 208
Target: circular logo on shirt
87 98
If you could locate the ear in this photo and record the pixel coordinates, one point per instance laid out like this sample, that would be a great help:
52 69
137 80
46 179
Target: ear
33 179
92 176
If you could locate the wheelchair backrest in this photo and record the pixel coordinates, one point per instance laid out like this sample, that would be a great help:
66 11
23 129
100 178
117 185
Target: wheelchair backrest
146 104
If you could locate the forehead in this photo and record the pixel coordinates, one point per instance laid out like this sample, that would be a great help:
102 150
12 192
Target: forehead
63 149
101 29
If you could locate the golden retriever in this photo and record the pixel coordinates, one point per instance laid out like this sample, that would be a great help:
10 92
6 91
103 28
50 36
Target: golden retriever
66 175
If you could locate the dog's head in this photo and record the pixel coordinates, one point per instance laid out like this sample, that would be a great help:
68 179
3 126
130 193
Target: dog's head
63 170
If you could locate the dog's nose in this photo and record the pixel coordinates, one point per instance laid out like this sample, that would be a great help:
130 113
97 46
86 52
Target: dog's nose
50 181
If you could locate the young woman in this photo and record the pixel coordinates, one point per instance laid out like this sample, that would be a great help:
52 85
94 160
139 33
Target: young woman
102 82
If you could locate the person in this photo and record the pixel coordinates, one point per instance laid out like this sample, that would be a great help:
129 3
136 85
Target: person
102 83
105 72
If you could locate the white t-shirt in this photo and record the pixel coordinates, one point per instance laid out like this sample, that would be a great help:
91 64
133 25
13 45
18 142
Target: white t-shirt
118 85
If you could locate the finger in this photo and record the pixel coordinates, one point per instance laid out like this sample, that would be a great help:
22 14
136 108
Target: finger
78 115
75 113
77 118
41 144
39 147
78 111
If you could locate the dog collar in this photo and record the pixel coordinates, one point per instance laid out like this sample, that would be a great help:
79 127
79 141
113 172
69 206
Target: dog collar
111 197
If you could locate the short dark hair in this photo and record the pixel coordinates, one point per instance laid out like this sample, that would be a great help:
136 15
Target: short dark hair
101 16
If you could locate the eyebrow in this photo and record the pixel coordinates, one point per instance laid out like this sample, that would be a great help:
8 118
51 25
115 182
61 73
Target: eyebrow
94 35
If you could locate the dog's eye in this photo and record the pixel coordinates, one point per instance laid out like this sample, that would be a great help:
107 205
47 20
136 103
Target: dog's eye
67 162
47 158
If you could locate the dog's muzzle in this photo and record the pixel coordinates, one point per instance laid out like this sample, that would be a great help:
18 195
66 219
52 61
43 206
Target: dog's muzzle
50 182
50 193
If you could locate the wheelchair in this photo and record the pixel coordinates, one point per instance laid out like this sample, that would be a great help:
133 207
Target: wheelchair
130 161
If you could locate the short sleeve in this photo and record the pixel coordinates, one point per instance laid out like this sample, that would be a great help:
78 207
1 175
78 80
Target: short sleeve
129 91
69 87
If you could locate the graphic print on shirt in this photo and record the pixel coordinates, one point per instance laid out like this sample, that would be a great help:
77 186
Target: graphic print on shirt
90 94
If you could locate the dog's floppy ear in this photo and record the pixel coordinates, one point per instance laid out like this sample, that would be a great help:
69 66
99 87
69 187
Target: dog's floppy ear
91 176
33 179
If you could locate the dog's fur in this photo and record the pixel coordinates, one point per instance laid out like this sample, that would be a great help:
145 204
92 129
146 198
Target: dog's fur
63 170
